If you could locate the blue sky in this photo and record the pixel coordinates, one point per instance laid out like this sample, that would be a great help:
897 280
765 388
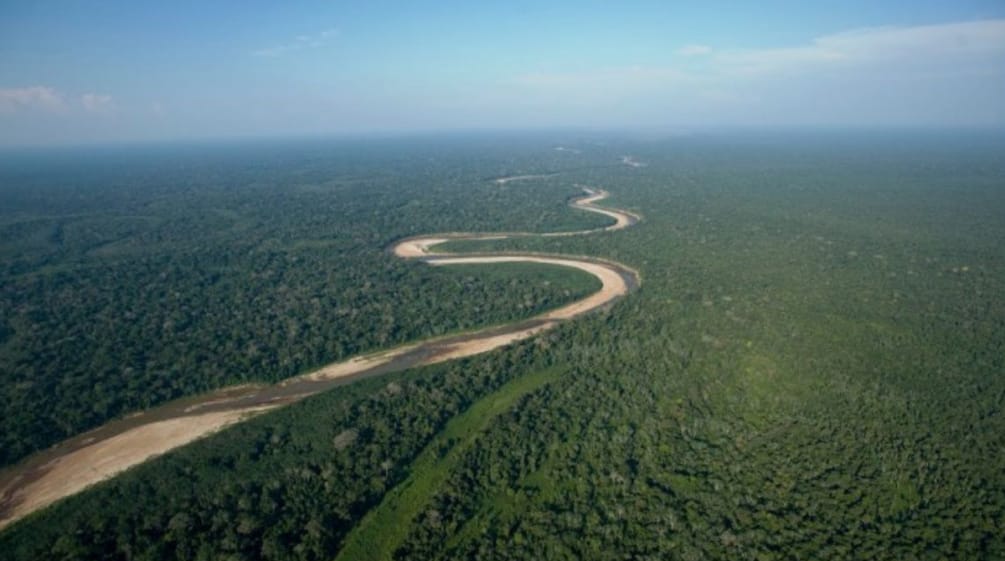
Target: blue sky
81 72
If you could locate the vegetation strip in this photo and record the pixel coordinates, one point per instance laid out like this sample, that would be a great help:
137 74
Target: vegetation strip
811 372
384 528
100 454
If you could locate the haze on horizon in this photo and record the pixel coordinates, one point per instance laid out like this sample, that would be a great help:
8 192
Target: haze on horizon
79 73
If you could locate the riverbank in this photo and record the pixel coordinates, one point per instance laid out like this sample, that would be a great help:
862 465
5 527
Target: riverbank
81 461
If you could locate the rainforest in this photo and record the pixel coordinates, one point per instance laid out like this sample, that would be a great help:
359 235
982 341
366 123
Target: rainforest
766 345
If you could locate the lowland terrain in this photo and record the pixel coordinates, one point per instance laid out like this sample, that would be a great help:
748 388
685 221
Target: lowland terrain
813 367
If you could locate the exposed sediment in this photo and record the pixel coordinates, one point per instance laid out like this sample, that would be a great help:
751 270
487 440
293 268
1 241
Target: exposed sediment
76 463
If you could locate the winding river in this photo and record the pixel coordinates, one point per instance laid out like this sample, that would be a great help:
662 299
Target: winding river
80 461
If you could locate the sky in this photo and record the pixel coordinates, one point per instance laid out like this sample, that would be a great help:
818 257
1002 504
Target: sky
76 72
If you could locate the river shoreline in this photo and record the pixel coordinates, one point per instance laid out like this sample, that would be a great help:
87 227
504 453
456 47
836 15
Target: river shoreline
80 461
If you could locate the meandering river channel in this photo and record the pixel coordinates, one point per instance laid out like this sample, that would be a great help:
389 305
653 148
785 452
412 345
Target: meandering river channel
80 461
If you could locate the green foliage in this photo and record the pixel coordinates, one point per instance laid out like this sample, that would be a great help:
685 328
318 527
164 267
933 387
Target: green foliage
383 529
166 275
287 485
812 369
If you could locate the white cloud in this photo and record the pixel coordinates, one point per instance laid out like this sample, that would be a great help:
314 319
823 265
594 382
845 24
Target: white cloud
694 50
298 43
31 97
936 73
920 45
97 103
51 100
939 48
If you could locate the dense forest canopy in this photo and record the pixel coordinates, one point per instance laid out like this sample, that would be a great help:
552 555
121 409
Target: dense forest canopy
813 367
131 276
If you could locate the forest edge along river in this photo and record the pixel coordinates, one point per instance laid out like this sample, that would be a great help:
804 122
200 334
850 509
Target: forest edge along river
78 462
